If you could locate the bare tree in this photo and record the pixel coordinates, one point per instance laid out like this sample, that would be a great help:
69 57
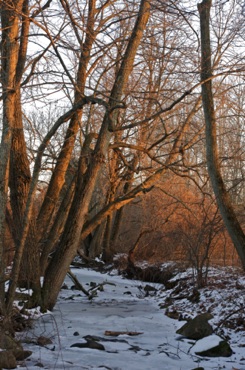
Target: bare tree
222 196
125 89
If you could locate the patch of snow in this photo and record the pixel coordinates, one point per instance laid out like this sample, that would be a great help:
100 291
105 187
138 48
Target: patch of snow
114 309
206 343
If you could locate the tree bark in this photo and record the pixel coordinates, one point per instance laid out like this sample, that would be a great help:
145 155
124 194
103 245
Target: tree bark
63 211
148 184
12 68
69 243
57 181
222 196
19 183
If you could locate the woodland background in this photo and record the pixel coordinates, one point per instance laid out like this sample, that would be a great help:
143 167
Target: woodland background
105 147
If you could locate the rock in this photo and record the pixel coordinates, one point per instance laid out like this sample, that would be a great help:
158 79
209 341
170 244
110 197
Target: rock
94 338
212 346
197 328
223 349
43 341
7 342
7 360
148 288
39 364
174 314
195 296
90 344
21 355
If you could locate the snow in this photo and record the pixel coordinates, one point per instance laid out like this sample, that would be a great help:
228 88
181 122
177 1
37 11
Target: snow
206 343
121 307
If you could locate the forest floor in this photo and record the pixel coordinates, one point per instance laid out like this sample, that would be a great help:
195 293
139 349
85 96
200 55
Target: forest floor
143 318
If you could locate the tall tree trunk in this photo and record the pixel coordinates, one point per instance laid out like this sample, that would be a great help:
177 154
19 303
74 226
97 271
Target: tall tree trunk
113 223
121 201
19 183
13 52
65 205
69 243
222 196
4 178
57 181
16 21
57 226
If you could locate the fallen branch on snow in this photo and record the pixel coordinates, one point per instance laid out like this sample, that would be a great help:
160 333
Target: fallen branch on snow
117 333
91 293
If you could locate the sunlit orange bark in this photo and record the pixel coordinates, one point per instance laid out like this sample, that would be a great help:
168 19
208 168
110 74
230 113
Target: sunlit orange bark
222 196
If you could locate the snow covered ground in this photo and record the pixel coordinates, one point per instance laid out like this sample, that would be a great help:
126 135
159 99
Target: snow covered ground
123 307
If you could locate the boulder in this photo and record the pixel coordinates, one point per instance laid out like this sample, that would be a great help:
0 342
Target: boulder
7 360
12 351
7 342
21 355
223 349
212 346
197 328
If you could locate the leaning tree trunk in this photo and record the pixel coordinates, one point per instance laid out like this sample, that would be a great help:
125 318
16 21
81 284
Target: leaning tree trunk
69 242
57 181
222 196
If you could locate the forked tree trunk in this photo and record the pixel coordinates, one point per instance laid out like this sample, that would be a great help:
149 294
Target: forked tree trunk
62 214
222 196
148 184
69 243
57 181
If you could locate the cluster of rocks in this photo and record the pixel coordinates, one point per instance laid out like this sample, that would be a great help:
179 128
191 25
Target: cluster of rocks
11 351
199 328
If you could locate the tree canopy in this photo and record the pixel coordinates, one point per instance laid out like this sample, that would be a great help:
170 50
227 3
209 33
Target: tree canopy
102 102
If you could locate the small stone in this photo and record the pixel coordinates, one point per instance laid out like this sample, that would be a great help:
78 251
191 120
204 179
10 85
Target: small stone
39 364
43 341
64 286
149 288
76 333
90 344
172 314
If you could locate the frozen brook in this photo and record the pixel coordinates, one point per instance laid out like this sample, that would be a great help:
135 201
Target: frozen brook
121 307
